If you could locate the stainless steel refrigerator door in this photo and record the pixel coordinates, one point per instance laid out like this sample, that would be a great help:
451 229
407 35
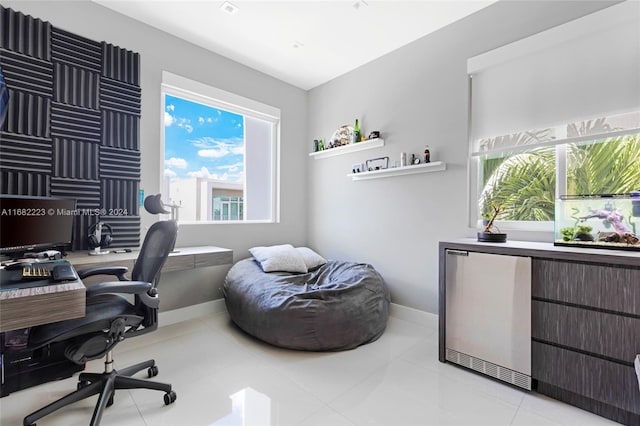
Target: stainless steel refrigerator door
488 308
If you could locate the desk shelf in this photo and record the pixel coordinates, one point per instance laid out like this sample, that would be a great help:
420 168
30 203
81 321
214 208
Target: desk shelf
180 259
353 147
436 166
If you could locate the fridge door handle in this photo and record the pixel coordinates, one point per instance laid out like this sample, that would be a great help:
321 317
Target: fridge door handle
457 252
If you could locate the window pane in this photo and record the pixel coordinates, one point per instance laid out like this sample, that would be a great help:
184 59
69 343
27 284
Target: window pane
610 166
521 184
204 149
521 177
218 144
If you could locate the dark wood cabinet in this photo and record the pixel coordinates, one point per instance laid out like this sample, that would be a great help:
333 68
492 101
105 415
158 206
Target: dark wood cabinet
598 333
606 388
585 324
595 285
585 327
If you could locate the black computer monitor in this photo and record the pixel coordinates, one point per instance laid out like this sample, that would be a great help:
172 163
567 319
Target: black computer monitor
29 223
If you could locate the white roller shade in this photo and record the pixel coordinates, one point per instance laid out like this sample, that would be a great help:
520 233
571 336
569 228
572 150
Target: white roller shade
259 167
587 68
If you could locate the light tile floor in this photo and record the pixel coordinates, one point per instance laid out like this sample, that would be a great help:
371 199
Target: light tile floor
224 377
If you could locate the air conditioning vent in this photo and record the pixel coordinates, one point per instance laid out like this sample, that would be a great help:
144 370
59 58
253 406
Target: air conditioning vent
505 374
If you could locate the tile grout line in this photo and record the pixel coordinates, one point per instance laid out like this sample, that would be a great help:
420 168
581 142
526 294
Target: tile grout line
517 410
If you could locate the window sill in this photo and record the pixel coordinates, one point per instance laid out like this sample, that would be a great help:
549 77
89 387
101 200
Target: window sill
519 235
225 222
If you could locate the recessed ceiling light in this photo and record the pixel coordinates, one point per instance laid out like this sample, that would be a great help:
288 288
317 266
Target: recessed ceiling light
360 3
297 45
231 9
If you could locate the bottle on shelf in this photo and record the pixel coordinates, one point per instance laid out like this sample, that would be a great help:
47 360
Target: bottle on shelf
356 132
320 145
427 154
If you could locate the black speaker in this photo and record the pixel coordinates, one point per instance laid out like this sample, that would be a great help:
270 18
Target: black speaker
106 235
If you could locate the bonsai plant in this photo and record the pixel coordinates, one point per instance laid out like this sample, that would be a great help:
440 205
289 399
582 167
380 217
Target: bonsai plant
490 232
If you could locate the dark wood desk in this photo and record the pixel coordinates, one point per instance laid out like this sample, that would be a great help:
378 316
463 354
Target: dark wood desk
31 306
42 302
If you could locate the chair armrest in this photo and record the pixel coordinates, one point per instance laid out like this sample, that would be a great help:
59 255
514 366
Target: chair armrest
118 271
127 287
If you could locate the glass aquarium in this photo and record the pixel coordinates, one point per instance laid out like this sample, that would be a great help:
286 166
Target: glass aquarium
609 221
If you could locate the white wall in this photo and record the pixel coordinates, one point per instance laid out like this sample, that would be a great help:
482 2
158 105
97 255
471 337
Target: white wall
415 95
160 51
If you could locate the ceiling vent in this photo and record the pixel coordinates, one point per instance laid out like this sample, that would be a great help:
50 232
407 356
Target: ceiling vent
231 9
360 3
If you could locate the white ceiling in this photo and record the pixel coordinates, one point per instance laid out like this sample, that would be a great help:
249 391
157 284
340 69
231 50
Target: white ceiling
333 37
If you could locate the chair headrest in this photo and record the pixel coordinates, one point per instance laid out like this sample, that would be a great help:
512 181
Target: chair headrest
154 205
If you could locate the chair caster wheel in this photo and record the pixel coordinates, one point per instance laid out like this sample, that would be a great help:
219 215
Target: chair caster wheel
110 401
153 371
170 397
83 384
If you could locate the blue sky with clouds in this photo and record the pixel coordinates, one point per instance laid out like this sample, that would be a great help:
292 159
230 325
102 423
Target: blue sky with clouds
202 141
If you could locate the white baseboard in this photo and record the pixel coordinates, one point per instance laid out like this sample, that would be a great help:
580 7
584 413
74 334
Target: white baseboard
174 316
416 316
191 312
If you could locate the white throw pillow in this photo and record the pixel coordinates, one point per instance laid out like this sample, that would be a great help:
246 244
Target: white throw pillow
312 259
283 258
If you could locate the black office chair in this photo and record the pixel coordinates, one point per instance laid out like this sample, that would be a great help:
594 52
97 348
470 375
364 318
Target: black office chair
110 318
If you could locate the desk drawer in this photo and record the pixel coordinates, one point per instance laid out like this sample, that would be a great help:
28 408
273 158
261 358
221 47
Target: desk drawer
178 263
610 335
605 381
214 259
612 288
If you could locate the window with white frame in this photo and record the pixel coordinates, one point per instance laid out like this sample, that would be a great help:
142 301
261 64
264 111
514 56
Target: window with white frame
523 173
556 114
220 154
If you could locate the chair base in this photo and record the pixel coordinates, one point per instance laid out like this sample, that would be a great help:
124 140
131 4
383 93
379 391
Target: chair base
105 384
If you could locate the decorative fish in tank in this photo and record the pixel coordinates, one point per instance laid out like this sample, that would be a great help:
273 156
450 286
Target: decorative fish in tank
598 221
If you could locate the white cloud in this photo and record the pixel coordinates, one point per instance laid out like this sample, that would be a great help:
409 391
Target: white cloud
201 120
171 107
184 123
214 148
205 173
180 163
207 142
168 119
213 153
170 173
231 168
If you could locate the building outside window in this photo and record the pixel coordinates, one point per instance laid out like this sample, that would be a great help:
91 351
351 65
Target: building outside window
220 154
228 208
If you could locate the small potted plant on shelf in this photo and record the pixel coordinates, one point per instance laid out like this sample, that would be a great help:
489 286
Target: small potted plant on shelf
490 232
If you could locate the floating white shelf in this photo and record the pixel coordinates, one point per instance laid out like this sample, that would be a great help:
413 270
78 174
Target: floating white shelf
353 147
436 166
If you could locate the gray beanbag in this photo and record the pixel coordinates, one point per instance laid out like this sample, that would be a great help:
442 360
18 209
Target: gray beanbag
338 306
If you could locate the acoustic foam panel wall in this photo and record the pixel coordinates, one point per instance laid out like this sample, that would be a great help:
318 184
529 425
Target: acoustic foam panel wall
73 123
